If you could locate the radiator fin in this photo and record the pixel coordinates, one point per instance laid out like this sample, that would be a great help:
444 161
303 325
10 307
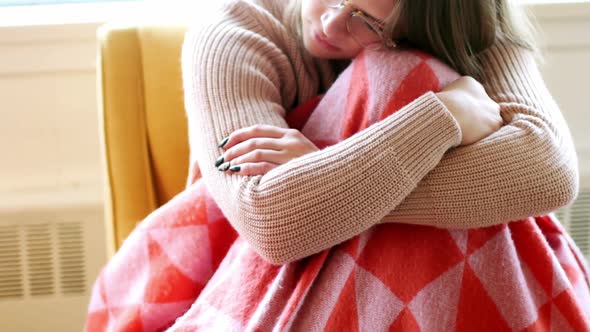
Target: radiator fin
40 259
11 284
71 258
576 218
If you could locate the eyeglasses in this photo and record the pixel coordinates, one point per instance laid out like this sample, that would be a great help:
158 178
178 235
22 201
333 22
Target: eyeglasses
366 30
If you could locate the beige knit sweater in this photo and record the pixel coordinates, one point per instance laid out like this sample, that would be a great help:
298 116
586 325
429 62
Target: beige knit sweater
244 67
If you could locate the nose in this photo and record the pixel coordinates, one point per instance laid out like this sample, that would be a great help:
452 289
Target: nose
334 21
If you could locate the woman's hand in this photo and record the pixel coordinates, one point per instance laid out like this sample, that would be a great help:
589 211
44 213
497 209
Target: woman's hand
477 114
257 149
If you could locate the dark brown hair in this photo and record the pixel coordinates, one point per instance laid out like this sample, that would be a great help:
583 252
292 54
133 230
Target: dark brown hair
455 31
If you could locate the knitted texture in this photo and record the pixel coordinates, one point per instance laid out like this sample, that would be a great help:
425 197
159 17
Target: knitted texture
245 68
186 269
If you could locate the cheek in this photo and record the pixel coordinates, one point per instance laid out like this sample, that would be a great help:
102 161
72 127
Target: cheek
307 9
311 12
308 12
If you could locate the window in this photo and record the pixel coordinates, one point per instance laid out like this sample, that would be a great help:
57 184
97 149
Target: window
7 3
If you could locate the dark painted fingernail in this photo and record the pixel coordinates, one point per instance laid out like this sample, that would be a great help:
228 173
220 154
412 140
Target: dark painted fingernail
219 161
224 142
224 167
235 169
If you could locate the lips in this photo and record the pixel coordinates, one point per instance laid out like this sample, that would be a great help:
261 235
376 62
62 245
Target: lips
321 39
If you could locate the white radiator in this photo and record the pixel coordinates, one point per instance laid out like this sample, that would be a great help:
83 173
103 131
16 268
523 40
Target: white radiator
576 219
48 261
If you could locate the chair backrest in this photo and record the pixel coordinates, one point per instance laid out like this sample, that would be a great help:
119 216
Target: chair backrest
142 121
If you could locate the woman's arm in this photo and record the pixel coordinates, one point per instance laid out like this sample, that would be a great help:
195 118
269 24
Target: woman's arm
324 198
527 168
236 76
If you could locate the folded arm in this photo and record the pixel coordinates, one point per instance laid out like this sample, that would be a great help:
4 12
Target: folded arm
527 168
380 174
317 200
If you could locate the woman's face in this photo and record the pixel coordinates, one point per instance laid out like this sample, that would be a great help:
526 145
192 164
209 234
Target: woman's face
324 29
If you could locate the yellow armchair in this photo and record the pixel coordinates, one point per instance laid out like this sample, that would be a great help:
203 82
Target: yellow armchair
142 122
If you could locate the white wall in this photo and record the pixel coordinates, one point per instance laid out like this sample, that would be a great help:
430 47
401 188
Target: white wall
48 120
50 170
565 30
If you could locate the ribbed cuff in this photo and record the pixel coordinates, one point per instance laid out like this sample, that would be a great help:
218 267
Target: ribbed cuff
422 132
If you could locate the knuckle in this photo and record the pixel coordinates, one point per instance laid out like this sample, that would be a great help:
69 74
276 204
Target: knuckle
473 83
251 145
469 79
257 155
462 80
293 132
236 134
258 127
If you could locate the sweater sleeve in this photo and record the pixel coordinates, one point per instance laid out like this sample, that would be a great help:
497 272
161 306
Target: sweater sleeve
235 75
527 168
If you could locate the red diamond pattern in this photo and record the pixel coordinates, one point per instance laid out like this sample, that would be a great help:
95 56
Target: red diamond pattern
345 309
186 269
477 311
356 116
166 281
405 322
422 253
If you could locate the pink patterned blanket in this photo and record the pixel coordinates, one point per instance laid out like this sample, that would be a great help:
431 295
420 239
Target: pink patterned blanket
185 269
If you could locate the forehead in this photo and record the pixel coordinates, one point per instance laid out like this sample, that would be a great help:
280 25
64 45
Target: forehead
379 9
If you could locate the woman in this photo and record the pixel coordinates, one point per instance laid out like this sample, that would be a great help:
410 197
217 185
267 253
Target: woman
463 158
247 70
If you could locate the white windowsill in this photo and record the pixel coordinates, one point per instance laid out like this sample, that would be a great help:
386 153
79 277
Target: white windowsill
61 39
66 14
172 11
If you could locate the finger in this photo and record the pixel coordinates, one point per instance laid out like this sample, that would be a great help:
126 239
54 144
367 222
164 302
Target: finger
259 130
260 155
250 145
251 169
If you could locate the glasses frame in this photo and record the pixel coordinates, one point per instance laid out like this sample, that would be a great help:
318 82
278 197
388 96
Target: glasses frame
374 23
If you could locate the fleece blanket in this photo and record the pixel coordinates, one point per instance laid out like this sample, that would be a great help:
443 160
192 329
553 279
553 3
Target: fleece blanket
184 268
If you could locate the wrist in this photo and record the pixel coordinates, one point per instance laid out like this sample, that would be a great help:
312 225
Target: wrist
447 100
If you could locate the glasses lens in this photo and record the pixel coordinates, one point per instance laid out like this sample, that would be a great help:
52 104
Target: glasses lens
363 32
